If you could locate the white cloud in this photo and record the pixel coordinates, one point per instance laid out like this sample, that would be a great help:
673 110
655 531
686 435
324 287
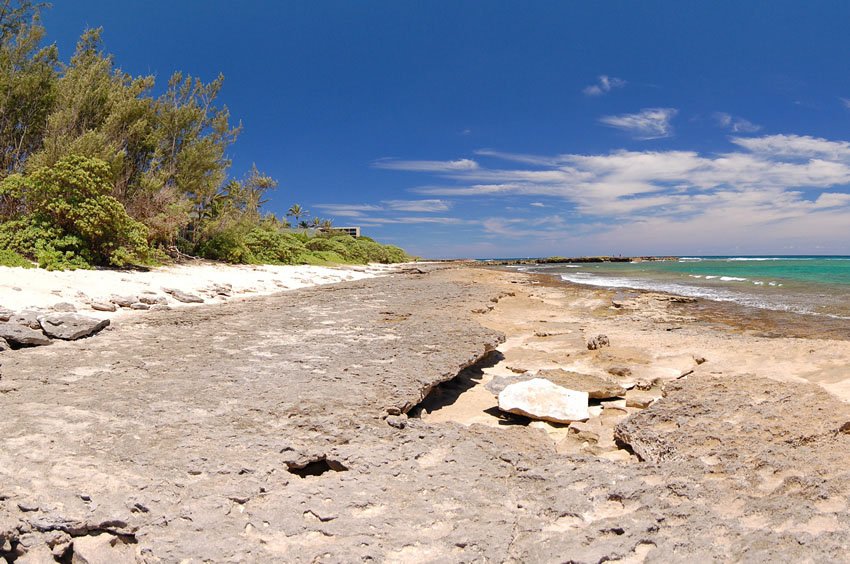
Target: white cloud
649 123
537 205
766 193
418 205
347 210
846 102
603 85
832 200
418 219
426 166
736 124
799 146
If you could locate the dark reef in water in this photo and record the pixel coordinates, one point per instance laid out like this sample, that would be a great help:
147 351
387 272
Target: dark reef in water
566 260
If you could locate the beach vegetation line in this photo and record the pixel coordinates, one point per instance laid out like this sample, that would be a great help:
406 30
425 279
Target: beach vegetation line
97 169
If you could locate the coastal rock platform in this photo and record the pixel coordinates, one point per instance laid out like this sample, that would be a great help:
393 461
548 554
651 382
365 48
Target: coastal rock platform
276 429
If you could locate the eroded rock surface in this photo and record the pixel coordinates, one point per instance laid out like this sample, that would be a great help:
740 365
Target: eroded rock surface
259 431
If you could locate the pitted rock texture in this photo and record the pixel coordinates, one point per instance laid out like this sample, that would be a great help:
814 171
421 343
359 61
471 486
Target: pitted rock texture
259 431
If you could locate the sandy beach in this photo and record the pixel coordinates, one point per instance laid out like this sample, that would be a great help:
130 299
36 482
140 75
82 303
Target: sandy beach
358 421
41 290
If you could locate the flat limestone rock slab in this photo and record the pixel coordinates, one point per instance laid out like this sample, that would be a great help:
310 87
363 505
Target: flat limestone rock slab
541 399
70 326
22 335
184 297
597 387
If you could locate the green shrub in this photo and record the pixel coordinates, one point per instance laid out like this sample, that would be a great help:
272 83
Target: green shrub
227 245
73 220
11 258
272 246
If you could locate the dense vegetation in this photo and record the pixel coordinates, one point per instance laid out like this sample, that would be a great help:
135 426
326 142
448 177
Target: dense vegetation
96 170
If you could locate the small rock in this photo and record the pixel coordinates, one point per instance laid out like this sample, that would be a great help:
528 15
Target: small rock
123 301
39 554
70 326
64 307
598 342
27 507
4 345
140 306
642 398
586 431
397 421
160 307
100 306
541 399
184 297
22 335
153 300
699 359
5 314
101 549
621 371
27 318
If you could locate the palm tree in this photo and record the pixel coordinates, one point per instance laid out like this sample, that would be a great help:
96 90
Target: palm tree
303 224
317 223
327 225
297 212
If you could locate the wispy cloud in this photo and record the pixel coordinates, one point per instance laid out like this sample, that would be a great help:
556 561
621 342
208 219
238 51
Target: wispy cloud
347 210
764 192
426 166
425 206
381 213
649 123
795 146
603 85
736 124
537 205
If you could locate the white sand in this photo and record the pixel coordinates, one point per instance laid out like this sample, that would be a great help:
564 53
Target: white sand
36 289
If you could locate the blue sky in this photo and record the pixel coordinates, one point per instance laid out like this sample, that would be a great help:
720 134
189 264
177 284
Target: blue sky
493 128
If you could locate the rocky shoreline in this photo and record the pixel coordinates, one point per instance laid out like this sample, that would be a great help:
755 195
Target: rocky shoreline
355 421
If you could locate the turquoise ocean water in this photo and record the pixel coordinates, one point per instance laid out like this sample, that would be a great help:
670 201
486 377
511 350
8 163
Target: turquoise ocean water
814 285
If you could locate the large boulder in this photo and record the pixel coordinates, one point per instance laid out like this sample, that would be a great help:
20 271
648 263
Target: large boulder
541 399
22 335
70 326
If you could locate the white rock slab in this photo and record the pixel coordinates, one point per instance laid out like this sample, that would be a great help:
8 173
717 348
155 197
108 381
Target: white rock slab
539 398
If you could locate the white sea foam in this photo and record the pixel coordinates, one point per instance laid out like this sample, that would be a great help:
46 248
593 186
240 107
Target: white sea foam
732 279
715 294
